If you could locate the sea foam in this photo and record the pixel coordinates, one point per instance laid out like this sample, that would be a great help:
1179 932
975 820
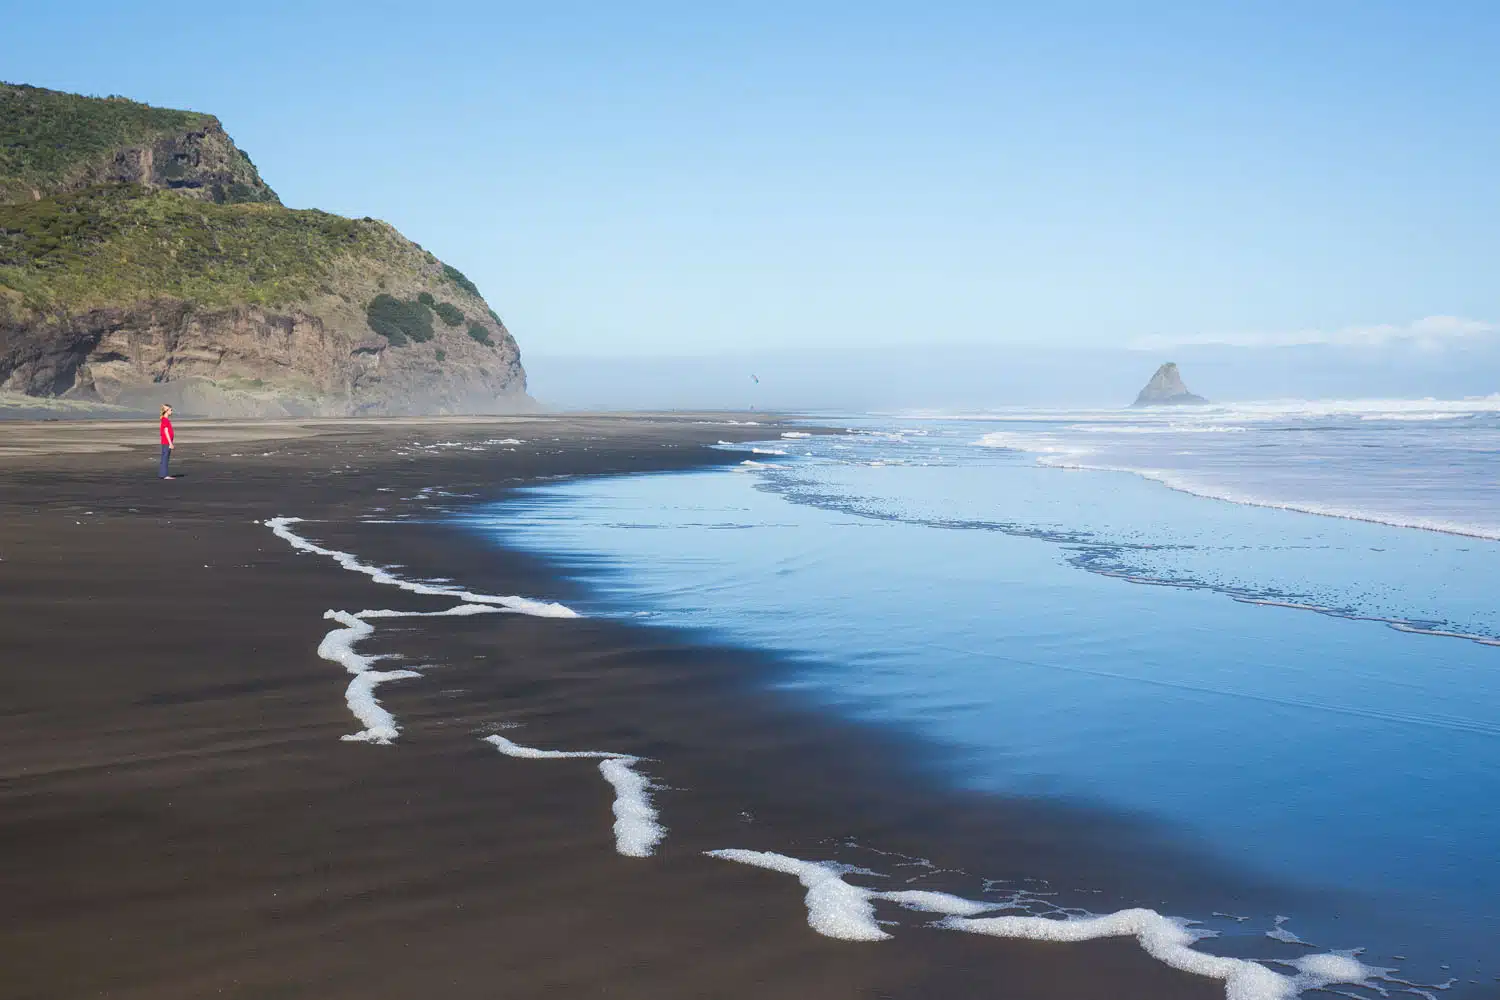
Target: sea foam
338 645
1170 941
637 829
839 909
281 526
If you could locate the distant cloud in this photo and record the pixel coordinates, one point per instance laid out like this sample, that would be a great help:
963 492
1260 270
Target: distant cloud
1431 331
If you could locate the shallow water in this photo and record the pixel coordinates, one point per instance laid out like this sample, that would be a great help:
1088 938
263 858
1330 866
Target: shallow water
998 609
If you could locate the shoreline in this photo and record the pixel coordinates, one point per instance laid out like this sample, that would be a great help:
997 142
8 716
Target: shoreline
186 776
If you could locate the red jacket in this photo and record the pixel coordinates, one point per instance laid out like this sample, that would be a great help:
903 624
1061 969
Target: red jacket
166 430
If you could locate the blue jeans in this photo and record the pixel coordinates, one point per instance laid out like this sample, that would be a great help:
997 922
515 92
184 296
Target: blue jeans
166 456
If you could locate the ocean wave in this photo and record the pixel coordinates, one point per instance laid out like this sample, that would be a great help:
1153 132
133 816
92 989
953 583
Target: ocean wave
1105 557
1183 484
1247 411
1015 441
1169 428
1415 416
1344 465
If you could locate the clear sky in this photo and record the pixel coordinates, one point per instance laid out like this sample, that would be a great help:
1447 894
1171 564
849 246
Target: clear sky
712 177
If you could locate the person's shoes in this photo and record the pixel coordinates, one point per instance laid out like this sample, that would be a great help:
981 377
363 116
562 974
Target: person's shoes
169 477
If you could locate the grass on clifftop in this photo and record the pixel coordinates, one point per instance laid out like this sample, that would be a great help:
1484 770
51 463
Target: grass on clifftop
46 133
119 244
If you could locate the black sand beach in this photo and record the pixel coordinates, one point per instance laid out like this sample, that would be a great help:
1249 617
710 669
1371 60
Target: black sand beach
181 819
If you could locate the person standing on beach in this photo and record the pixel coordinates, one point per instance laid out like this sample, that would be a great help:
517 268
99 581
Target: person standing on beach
168 440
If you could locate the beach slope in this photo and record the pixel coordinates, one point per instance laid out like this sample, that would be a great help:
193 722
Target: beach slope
181 815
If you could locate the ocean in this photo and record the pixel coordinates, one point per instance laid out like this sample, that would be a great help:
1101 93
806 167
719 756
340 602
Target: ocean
1265 633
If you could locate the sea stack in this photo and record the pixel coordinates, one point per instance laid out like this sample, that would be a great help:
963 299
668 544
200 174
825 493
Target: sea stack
1166 389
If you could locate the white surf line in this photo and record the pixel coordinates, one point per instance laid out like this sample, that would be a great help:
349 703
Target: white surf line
1068 457
338 646
281 527
837 909
1170 941
1399 624
637 830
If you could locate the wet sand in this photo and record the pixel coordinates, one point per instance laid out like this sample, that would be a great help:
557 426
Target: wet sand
180 818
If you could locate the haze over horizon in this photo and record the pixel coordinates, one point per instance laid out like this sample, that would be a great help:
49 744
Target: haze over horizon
1282 189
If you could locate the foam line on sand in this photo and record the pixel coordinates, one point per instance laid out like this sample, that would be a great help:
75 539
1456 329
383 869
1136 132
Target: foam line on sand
281 527
839 909
637 829
338 647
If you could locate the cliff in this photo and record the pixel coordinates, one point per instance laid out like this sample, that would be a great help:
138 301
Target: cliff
143 260
54 143
1166 388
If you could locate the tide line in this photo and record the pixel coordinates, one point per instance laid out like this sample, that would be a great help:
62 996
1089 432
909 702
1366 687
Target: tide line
380 726
281 527
637 829
338 647
839 909
836 907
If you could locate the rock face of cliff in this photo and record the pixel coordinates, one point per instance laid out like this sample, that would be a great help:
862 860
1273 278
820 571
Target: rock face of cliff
143 260
1166 388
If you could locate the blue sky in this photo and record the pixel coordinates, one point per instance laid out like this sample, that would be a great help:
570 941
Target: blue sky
705 178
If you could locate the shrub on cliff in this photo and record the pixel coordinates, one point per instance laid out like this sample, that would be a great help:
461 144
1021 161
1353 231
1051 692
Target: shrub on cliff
118 244
480 334
449 313
426 299
46 133
399 321
456 276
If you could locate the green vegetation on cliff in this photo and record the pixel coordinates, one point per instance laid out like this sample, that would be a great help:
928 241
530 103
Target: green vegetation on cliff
69 243
118 244
142 254
47 134
399 321
456 276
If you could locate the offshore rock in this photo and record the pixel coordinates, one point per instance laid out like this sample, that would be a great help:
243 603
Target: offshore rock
1166 388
